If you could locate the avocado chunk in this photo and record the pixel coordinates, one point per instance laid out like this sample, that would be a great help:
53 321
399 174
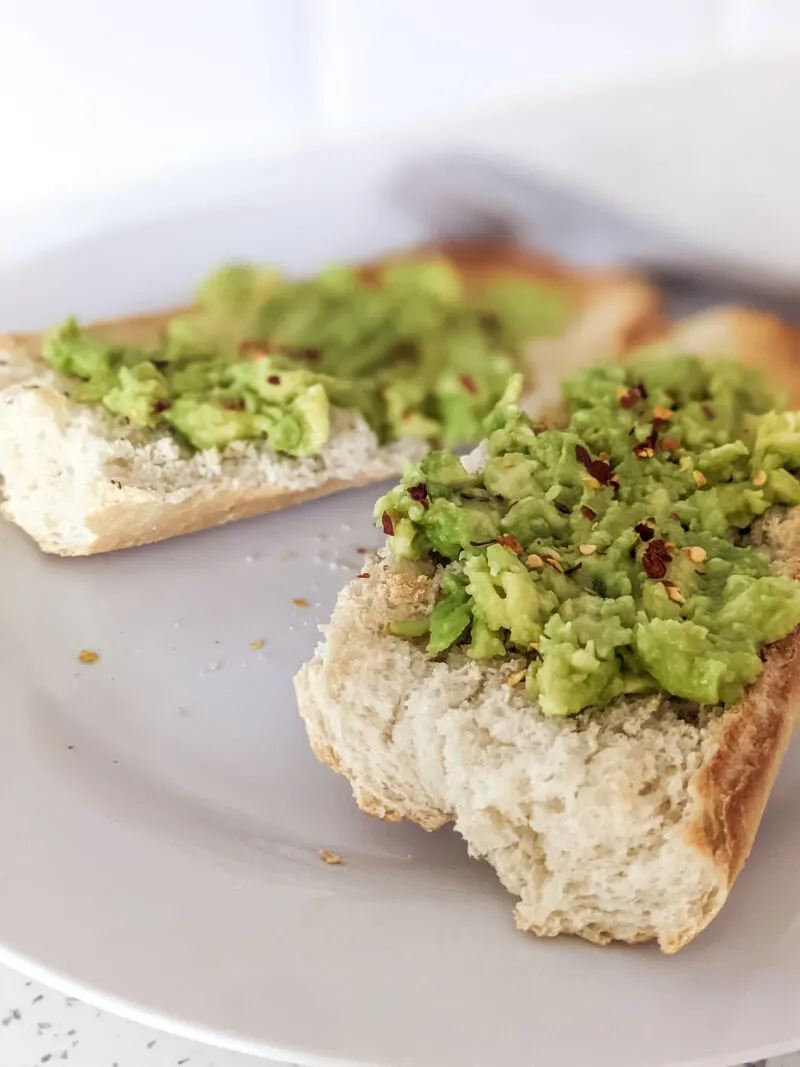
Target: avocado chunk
406 346
618 554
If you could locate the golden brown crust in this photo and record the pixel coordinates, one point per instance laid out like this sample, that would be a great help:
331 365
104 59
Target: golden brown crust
760 340
132 522
634 306
378 807
614 310
731 790
146 331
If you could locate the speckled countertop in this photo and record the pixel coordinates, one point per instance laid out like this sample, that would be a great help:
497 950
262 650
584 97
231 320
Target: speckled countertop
39 1026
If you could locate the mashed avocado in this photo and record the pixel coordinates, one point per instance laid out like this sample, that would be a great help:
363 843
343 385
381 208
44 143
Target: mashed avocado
612 556
265 359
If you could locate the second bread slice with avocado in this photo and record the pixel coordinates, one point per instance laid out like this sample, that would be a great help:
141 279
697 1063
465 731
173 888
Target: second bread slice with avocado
270 392
584 650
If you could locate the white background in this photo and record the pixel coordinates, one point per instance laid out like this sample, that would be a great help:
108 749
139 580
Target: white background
98 93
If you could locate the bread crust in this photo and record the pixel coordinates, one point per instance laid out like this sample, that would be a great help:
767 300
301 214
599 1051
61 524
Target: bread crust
727 794
612 311
624 310
131 523
147 330
731 790
758 339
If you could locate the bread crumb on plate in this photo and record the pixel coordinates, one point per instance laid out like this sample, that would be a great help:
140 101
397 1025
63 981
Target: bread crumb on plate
333 859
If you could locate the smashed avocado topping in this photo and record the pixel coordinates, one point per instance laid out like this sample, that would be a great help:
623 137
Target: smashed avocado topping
264 359
610 557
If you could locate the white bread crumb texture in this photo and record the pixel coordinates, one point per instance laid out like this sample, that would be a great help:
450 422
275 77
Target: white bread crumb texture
62 462
583 818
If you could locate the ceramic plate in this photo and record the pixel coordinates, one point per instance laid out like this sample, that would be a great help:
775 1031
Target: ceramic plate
161 813
161 816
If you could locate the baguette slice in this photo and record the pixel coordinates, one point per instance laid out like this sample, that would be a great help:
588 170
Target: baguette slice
627 825
631 825
79 482
756 338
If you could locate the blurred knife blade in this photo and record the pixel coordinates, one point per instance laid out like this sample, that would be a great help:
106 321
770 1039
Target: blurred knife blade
462 195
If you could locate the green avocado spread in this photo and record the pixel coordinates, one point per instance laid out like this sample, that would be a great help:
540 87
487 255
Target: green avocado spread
612 556
265 359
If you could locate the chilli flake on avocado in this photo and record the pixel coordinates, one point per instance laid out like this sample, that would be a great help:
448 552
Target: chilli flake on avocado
612 556
264 359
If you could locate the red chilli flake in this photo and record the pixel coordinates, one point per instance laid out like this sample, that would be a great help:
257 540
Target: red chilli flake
232 403
707 411
469 383
646 448
511 543
597 468
629 399
670 444
655 559
387 524
274 379
587 512
364 574
419 493
582 456
161 405
645 532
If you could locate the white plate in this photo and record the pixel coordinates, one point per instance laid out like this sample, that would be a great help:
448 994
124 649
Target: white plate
163 863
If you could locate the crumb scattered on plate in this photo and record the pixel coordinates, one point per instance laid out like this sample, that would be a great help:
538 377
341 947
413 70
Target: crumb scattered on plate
213 665
257 644
333 859
301 602
86 655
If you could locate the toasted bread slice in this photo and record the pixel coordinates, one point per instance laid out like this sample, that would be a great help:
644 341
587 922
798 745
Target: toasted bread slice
616 311
629 825
761 340
79 482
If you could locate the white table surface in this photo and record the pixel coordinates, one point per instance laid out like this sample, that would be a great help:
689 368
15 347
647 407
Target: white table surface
39 1026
